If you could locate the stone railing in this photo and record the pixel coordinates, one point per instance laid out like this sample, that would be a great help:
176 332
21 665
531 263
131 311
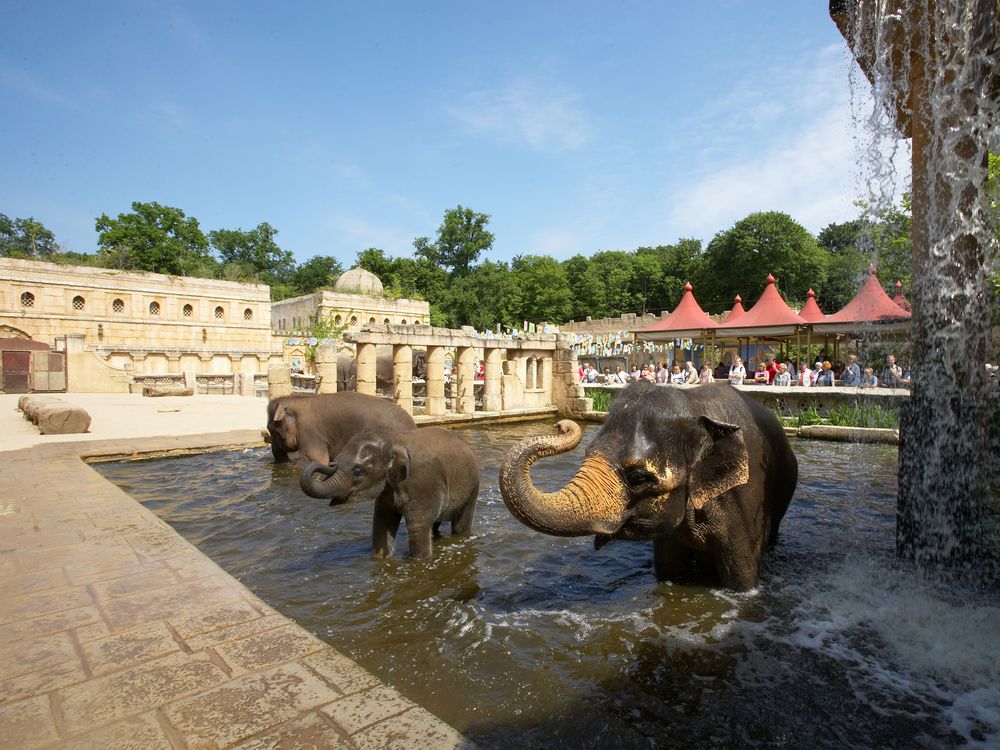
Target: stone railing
522 374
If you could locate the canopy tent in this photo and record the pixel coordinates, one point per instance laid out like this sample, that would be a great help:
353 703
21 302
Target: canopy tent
871 310
770 317
687 321
810 311
737 312
900 298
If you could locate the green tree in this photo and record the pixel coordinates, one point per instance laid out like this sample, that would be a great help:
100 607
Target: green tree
154 238
617 271
319 271
462 237
26 238
738 260
586 287
254 254
846 264
678 264
487 296
544 289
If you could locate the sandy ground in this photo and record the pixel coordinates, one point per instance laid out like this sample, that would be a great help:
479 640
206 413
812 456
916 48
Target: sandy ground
123 416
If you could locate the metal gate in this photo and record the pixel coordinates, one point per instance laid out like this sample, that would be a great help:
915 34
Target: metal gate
16 371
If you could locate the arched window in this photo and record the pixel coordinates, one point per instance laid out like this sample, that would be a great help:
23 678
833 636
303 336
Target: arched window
79 303
220 314
248 314
154 309
386 321
529 374
371 321
188 311
27 299
403 321
416 321
354 320
338 320
118 306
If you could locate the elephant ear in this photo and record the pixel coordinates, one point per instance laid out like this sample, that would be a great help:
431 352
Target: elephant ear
399 465
279 413
721 463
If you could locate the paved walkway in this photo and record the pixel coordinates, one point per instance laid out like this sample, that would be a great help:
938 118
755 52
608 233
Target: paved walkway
115 632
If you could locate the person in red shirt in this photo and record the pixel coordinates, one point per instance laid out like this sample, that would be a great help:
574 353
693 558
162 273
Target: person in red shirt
772 370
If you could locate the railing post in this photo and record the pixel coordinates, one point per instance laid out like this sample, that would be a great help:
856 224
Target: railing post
491 380
367 358
436 406
402 375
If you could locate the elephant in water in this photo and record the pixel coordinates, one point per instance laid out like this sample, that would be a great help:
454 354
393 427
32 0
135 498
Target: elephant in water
706 473
428 476
319 426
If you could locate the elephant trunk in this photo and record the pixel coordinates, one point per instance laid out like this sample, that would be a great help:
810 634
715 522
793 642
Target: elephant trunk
593 502
331 486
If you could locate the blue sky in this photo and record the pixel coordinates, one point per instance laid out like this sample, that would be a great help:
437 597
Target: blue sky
577 126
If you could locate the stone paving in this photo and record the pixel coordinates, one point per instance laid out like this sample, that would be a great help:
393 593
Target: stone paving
117 633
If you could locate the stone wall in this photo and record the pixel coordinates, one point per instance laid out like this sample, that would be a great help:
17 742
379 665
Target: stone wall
139 322
298 314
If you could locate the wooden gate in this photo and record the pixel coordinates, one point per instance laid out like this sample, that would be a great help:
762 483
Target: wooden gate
48 371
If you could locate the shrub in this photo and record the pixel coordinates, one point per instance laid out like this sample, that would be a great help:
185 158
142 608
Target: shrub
602 398
864 415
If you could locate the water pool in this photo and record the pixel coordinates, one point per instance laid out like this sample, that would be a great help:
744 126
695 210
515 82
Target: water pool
524 640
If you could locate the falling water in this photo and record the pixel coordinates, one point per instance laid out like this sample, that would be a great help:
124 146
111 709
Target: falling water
934 66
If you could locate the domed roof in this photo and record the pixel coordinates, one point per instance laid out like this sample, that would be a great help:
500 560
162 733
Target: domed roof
358 281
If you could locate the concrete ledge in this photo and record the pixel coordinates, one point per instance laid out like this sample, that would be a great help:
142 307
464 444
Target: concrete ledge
849 434
115 631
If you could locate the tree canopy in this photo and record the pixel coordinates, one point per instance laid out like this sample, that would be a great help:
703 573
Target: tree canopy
26 238
254 254
461 239
154 238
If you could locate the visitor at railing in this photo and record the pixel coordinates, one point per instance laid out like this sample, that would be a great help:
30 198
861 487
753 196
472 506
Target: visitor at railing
824 377
852 374
706 375
892 375
690 374
783 377
805 375
737 373
868 380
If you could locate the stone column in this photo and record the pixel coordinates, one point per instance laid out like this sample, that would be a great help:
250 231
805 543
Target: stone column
463 393
402 375
567 392
436 405
491 384
367 358
326 369
279 381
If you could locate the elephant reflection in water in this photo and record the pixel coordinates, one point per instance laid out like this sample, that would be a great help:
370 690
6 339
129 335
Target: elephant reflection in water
706 473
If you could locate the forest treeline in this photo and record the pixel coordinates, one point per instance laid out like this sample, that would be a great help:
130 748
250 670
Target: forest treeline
453 273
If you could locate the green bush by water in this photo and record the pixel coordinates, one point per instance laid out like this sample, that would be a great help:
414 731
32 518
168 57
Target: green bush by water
602 398
864 415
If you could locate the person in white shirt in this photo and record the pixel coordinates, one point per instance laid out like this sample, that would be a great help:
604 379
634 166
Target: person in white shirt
690 374
805 375
737 372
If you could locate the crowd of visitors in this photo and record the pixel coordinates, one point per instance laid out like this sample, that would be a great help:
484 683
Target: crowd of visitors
822 374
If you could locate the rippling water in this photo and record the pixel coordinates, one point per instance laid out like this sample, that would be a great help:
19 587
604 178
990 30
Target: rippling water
523 640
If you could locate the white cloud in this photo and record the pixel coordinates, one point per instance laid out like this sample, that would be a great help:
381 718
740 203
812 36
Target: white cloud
23 82
546 117
811 167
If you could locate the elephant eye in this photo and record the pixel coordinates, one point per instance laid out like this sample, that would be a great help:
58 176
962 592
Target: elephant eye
637 477
358 473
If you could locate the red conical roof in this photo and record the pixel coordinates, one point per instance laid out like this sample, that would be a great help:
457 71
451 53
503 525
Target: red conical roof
737 312
870 305
687 316
770 310
810 311
900 298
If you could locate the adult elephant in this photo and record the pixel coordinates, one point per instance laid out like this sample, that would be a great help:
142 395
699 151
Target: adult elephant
706 473
385 377
318 427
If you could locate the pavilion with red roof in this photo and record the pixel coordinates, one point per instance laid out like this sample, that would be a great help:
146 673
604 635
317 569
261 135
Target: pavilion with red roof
687 321
871 310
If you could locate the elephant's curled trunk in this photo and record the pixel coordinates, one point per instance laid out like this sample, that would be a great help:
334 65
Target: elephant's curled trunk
593 502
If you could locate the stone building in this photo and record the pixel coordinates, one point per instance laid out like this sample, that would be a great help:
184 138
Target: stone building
357 300
137 323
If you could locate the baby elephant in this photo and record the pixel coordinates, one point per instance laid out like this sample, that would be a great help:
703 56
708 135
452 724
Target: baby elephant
427 476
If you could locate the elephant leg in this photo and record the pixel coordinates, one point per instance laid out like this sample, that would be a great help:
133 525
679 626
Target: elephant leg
385 524
673 561
279 452
437 529
461 522
420 530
